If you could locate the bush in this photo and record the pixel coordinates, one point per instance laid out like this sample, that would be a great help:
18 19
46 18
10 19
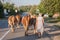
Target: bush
50 14
58 17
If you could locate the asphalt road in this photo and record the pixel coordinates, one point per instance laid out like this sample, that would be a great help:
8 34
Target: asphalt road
50 33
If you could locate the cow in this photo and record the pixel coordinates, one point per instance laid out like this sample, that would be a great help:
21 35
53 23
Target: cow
18 18
12 22
33 22
28 21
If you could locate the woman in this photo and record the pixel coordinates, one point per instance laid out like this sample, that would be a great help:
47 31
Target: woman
39 25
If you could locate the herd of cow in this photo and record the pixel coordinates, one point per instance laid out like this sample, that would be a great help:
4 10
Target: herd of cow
28 20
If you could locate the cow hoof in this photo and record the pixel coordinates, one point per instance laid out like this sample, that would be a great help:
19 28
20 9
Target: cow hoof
39 36
18 27
13 31
26 34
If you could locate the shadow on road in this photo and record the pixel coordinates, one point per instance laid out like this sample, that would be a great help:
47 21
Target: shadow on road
30 37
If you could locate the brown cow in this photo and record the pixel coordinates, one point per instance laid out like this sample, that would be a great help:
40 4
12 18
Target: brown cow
28 21
33 22
11 22
18 17
25 21
14 21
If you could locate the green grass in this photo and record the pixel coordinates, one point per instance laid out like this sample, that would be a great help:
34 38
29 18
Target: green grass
52 20
57 26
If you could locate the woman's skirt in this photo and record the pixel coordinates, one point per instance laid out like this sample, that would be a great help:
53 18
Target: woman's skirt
40 28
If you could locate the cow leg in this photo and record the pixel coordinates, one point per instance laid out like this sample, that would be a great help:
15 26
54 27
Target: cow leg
26 30
18 26
34 29
9 26
12 28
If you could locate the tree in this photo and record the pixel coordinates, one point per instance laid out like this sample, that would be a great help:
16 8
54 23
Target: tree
49 6
10 7
42 8
33 9
1 10
25 8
